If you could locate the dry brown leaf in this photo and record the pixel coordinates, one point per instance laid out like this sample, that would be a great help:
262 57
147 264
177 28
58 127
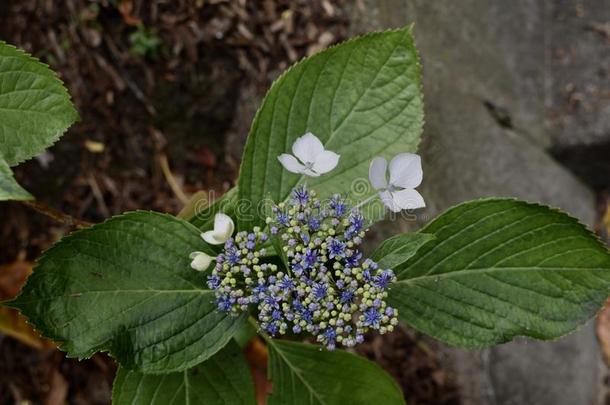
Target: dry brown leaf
603 319
256 355
199 201
606 220
12 323
126 8
12 277
603 331
94 146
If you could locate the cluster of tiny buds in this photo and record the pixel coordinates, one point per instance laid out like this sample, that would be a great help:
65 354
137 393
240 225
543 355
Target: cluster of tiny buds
238 270
328 290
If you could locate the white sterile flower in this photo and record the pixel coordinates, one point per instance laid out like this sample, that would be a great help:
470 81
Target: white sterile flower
405 174
201 261
311 157
223 229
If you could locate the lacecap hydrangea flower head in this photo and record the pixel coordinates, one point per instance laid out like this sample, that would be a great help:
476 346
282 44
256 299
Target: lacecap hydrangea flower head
328 289
322 286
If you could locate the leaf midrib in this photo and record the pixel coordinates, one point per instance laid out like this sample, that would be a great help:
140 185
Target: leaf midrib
297 371
483 270
186 388
194 290
335 131
338 126
77 294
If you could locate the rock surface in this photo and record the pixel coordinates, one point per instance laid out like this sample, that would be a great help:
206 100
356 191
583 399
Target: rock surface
486 88
579 95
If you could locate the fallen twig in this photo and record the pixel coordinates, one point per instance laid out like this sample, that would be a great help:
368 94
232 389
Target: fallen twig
169 177
55 214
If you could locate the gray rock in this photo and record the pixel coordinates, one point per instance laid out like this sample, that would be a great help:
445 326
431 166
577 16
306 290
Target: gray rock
559 366
579 91
485 84
478 47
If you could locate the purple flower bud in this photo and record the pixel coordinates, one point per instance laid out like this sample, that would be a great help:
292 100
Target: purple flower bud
337 204
300 195
213 282
336 248
372 317
347 296
319 291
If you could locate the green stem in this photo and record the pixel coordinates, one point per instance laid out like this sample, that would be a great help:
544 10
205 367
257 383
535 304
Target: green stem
259 331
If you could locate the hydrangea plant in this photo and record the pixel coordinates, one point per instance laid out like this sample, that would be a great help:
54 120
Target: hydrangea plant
332 150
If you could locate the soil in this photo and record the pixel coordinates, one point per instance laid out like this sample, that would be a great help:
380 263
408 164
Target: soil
414 360
165 90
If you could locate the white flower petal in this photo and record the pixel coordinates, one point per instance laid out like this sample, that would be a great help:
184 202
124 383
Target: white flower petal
213 238
290 163
325 162
201 261
377 173
408 199
406 171
388 200
223 226
307 148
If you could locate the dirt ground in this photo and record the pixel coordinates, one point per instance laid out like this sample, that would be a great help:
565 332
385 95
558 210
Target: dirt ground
163 89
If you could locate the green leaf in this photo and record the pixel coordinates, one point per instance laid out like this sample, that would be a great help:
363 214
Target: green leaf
203 214
9 189
304 374
501 268
245 334
35 108
222 379
126 286
398 249
362 98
